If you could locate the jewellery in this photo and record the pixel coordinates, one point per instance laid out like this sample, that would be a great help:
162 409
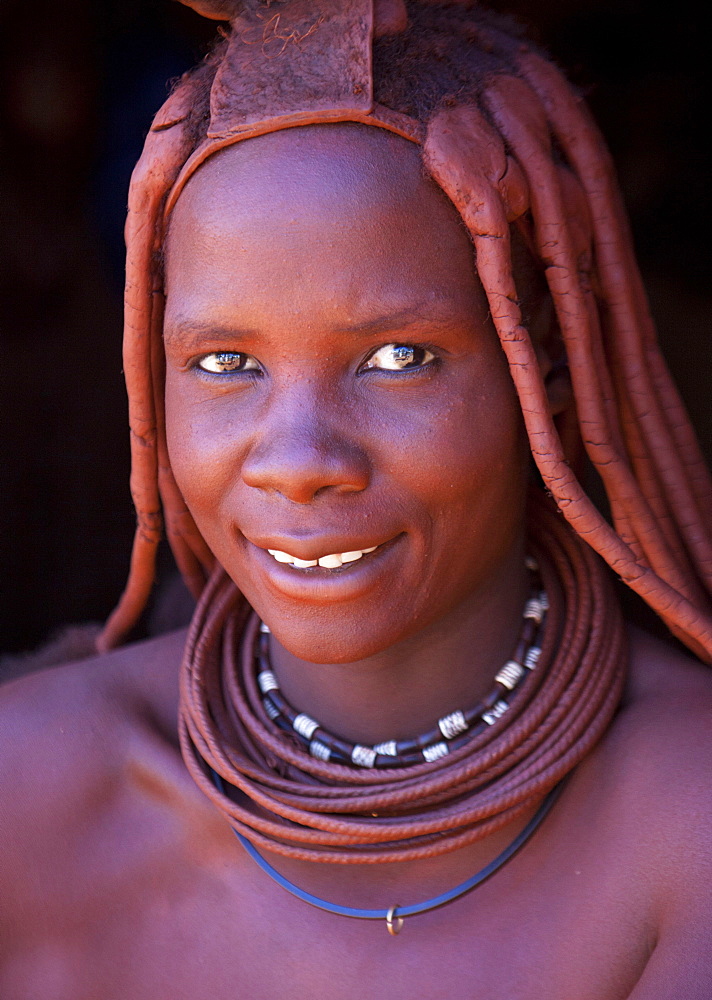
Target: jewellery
394 928
395 915
288 802
451 732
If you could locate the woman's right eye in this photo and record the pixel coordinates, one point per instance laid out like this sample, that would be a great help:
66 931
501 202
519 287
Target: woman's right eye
228 362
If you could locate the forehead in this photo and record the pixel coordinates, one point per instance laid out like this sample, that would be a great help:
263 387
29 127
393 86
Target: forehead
301 175
339 212
361 154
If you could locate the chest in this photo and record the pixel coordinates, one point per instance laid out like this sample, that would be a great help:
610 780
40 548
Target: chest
164 919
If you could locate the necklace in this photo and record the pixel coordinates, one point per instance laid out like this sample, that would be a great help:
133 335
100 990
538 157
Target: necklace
289 802
395 915
451 731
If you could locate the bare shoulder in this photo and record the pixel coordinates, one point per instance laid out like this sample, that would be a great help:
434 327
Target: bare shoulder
659 757
649 784
66 735
658 751
666 715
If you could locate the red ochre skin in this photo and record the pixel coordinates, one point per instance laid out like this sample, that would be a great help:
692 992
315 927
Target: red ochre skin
320 455
118 879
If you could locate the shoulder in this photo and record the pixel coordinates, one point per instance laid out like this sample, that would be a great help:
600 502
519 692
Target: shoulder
75 707
66 734
655 774
660 752
664 721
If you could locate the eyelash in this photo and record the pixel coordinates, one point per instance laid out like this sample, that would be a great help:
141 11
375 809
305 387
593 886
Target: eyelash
237 355
432 362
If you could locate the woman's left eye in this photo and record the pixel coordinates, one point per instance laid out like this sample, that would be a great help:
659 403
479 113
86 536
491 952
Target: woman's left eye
399 357
227 362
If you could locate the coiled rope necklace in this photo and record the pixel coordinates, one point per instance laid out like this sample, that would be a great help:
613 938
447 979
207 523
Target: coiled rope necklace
281 797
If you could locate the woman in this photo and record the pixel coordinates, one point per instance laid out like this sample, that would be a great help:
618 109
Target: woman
411 712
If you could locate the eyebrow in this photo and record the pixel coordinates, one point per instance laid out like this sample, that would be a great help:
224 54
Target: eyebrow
188 331
411 317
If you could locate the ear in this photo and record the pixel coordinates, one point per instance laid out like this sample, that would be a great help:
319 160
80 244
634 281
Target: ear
551 353
548 344
539 318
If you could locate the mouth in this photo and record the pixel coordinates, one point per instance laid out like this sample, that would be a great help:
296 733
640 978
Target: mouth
330 561
327 570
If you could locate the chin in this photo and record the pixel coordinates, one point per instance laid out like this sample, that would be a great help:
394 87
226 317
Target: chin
327 638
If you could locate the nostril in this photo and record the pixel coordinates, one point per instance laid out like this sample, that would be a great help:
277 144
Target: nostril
295 486
342 487
301 470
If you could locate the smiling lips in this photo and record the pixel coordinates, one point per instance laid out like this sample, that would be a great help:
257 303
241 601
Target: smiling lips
332 561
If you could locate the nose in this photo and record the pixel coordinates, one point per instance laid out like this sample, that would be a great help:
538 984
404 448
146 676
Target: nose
301 454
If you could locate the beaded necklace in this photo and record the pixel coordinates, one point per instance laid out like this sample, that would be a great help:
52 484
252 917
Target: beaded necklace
284 799
451 731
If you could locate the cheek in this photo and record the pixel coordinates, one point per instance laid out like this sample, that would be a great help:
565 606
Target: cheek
201 449
475 480
475 444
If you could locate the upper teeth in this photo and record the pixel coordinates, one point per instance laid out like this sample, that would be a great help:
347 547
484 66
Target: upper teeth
332 561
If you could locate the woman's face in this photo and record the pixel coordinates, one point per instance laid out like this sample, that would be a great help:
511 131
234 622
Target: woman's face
334 384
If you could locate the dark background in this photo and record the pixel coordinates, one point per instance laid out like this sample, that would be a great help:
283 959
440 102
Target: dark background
79 82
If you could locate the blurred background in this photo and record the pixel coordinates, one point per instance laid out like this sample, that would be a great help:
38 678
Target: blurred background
79 83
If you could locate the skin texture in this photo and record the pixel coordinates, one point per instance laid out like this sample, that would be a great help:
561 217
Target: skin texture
317 454
118 878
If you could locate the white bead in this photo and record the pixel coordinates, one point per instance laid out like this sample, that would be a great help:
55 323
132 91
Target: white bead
531 563
270 709
496 712
264 628
388 749
304 726
532 657
510 674
534 609
436 751
363 756
451 725
319 750
267 681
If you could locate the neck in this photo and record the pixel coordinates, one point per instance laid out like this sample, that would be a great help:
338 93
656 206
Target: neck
402 691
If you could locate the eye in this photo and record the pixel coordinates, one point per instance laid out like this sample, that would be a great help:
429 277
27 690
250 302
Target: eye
227 362
399 357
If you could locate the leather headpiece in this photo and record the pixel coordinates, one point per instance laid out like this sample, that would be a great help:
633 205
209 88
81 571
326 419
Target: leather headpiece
296 62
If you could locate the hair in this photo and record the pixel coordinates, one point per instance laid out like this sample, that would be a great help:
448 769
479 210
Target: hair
515 149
